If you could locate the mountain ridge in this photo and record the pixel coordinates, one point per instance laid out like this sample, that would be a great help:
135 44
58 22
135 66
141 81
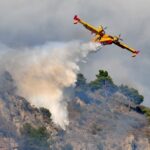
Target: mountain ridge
100 119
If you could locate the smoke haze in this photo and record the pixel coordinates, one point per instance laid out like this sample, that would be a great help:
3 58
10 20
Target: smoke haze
43 72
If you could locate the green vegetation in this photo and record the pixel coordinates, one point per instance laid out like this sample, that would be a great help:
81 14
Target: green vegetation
81 81
96 128
35 138
33 132
146 111
101 80
106 86
45 112
104 82
132 94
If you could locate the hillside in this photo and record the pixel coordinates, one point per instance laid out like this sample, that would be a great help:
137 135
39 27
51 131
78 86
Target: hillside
102 115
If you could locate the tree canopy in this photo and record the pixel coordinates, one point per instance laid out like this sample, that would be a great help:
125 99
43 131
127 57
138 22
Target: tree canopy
81 80
132 94
104 83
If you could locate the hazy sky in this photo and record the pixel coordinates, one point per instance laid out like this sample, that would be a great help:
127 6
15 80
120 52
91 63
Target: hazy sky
28 23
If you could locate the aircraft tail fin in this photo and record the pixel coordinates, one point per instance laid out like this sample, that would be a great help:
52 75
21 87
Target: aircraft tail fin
135 53
76 19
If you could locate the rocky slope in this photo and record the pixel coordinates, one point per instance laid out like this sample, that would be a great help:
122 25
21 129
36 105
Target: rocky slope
97 122
18 117
110 125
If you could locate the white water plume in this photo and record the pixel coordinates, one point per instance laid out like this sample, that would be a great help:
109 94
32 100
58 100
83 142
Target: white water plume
43 72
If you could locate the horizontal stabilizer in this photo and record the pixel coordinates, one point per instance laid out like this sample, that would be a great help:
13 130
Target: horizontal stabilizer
135 53
76 19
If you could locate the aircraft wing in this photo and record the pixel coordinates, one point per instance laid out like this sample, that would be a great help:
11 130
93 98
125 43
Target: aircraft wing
124 46
86 25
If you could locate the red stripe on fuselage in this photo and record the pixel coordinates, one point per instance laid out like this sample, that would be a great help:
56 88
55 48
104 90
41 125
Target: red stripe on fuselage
107 42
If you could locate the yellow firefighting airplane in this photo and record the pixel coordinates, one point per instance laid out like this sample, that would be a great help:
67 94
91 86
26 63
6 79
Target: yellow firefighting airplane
103 38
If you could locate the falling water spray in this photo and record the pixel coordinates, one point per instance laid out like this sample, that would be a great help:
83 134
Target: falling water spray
43 72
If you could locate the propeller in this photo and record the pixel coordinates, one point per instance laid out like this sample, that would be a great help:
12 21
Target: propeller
105 28
119 37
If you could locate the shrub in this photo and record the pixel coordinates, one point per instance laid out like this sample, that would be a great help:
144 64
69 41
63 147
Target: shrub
146 111
103 81
45 112
34 132
34 138
132 94
81 81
